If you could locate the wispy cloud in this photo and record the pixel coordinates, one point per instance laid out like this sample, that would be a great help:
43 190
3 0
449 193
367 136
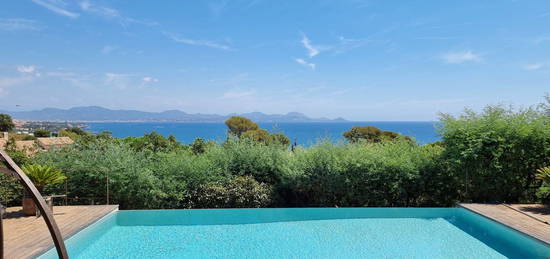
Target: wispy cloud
302 62
149 79
204 43
29 70
56 6
534 66
461 57
26 69
18 24
111 14
99 10
312 51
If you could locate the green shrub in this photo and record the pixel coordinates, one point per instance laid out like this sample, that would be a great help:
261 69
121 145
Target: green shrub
198 146
240 157
238 192
41 133
370 134
10 190
495 153
381 174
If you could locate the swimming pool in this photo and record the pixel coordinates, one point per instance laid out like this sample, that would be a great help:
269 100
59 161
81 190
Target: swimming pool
301 233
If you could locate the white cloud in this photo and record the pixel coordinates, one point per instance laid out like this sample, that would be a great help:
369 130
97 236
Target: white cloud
149 79
204 43
312 50
233 94
17 24
461 57
304 63
107 12
56 6
99 10
110 14
534 66
26 69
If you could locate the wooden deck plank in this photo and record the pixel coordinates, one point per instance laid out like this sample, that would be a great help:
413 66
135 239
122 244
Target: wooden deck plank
27 237
526 218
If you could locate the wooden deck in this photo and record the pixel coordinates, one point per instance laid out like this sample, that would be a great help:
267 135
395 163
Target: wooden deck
531 219
27 237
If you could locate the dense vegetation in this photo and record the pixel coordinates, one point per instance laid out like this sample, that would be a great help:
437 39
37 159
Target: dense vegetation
492 156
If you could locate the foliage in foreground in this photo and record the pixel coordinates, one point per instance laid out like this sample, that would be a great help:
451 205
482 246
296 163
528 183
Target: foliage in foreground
490 156
42 175
244 173
495 153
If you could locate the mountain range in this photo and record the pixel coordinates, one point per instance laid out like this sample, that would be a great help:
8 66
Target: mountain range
96 113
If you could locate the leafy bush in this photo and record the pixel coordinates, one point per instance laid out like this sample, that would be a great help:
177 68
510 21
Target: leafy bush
240 157
369 134
198 146
382 174
41 133
153 142
10 190
496 152
238 192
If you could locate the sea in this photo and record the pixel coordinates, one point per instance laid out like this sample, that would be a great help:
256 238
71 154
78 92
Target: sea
301 133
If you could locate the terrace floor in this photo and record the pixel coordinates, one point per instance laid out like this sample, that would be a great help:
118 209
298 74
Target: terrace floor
28 236
531 219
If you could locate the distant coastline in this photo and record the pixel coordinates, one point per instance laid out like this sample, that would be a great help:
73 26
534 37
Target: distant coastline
99 114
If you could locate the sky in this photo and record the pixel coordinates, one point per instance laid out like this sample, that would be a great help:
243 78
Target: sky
358 59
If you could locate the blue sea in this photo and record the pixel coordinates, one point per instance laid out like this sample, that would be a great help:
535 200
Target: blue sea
304 134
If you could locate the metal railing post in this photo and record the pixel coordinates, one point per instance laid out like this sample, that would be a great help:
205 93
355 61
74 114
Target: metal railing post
1 231
40 202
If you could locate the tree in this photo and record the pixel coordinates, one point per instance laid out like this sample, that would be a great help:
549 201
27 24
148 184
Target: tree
370 134
41 133
77 131
238 125
280 138
6 123
198 146
545 106
154 142
258 135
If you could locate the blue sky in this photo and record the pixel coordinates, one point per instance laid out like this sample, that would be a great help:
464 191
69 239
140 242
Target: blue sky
361 60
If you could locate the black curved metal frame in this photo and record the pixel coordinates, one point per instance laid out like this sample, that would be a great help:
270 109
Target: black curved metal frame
14 170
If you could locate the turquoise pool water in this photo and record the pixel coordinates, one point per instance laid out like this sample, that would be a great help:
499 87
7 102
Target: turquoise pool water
301 233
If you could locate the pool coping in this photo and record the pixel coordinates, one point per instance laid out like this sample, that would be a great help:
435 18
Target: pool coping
519 216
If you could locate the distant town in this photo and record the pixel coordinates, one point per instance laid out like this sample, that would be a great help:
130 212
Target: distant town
29 127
